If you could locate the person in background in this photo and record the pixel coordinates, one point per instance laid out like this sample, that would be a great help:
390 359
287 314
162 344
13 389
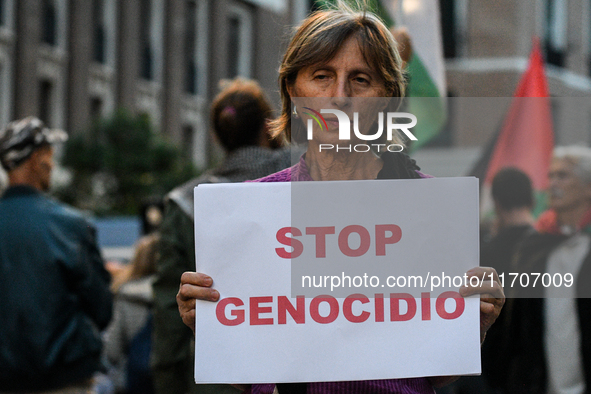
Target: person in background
239 115
132 314
403 43
513 200
151 213
54 289
550 335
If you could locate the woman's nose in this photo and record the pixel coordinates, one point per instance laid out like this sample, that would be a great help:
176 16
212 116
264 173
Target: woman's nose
341 96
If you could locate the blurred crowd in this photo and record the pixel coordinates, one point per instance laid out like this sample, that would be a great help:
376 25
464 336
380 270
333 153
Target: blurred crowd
73 323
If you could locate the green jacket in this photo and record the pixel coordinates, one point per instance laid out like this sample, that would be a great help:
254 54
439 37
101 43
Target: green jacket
173 347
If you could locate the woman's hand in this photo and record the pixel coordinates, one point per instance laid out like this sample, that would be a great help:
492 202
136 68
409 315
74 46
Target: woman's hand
492 297
194 286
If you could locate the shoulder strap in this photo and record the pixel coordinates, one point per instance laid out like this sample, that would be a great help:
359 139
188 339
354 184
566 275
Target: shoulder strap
183 196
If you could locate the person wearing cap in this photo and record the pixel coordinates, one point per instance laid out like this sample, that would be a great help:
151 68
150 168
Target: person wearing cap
54 289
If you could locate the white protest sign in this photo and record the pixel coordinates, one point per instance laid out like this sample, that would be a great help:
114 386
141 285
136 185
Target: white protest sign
370 235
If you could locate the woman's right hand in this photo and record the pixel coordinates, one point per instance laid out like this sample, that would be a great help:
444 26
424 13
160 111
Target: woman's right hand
194 286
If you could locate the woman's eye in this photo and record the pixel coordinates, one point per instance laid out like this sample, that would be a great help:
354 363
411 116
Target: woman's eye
320 77
361 80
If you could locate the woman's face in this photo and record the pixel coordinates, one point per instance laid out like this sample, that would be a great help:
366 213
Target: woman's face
567 191
342 83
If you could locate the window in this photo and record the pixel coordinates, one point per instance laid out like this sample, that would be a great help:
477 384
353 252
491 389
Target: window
190 48
6 86
453 17
96 108
233 46
195 47
3 94
49 23
587 29
555 32
188 141
448 28
146 52
7 14
45 92
239 44
99 50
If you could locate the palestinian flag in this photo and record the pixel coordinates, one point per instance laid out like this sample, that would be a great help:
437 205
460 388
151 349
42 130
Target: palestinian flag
526 139
425 69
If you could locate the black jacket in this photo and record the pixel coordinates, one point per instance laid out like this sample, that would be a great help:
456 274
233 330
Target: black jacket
54 293
524 369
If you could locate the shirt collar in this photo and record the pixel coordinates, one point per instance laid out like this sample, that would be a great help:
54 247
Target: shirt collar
20 190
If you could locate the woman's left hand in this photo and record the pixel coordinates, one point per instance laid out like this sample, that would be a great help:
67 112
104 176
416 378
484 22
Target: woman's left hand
492 297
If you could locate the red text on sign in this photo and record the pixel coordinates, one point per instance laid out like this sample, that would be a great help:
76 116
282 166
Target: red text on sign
384 234
269 310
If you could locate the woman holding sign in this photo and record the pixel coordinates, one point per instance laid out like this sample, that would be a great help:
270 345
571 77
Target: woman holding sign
346 62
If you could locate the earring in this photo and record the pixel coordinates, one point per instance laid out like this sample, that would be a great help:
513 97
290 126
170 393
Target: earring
295 112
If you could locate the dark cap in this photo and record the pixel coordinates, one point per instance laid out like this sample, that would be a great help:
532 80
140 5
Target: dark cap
22 137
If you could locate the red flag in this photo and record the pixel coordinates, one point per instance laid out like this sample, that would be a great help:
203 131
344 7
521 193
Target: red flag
526 140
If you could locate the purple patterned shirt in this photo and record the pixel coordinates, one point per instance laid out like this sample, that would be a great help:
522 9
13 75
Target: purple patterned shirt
299 172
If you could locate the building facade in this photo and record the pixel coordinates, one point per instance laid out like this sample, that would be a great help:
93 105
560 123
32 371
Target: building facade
71 61
487 45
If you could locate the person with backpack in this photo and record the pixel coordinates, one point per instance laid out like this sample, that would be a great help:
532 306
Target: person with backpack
128 339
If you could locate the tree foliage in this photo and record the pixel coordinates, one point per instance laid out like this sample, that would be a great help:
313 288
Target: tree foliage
120 163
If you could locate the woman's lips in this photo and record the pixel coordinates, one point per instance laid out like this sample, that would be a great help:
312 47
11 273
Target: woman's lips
334 122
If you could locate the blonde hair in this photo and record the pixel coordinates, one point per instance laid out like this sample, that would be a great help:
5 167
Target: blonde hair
317 41
142 264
